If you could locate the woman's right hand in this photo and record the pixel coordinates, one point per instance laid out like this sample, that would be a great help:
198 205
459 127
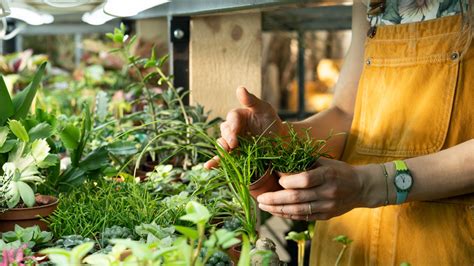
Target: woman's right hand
254 118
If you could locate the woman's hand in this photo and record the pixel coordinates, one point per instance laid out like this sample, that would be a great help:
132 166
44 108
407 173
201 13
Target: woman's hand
256 117
330 190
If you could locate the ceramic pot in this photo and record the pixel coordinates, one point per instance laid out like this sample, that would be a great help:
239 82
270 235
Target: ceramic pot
26 217
266 183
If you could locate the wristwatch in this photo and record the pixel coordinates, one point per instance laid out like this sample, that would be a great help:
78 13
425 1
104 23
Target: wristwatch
403 181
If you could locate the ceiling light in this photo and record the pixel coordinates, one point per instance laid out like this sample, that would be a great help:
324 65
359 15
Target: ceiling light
30 15
121 8
96 16
65 3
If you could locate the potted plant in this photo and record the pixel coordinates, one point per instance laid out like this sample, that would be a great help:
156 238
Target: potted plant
21 174
295 154
24 155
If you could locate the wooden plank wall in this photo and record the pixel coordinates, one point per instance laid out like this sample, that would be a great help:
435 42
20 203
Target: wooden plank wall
225 52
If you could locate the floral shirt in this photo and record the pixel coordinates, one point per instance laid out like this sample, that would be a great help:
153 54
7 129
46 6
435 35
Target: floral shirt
409 11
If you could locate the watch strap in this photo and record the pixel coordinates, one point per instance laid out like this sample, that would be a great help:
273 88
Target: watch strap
402 195
400 165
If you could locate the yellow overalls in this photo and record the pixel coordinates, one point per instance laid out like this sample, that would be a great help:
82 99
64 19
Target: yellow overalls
415 97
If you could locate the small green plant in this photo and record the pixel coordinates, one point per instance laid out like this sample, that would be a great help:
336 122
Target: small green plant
192 247
91 208
300 239
21 174
31 236
293 153
344 241
60 256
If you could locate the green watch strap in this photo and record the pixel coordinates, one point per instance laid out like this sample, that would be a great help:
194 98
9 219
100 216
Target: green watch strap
400 165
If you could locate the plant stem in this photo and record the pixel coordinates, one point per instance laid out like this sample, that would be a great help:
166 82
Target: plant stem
201 229
301 247
180 101
340 255
145 86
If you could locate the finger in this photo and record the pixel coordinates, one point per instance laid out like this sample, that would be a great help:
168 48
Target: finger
223 143
314 217
307 179
232 126
300 209
249 100
212 163
288 196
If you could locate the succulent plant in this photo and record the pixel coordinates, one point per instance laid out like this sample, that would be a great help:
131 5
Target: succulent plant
71 241
113 232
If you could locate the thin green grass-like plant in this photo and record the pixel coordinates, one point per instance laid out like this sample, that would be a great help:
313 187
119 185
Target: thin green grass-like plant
91 208
293 153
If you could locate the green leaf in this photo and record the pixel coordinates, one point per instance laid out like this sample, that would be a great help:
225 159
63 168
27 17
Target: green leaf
8 145
50 160
187 232
23 100
110 35
19 130
196 213
3 135
342 239
95 160
6 104
79 252
301 236
27 194
58 256
122 148
70 136
102 103
40 150
41 131
245 252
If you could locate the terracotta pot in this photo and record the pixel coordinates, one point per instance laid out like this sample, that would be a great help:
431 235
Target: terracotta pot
267 183
234 253
313 166
26 217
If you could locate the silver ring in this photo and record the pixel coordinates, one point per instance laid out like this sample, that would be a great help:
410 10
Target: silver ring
307 217
310 207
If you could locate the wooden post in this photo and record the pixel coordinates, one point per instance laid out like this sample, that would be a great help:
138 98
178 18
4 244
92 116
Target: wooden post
225 52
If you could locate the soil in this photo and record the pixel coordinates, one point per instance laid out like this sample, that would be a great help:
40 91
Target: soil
41 200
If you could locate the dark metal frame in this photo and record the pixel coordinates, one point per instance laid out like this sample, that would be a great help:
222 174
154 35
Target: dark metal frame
180 35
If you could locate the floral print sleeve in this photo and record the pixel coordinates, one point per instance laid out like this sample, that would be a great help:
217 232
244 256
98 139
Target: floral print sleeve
409 11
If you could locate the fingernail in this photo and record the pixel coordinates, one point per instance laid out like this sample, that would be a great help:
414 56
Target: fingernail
260 198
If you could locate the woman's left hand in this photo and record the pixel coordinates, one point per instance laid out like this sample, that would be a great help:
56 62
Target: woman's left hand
331 189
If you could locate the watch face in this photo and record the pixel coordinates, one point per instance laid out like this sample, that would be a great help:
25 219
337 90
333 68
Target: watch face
403 181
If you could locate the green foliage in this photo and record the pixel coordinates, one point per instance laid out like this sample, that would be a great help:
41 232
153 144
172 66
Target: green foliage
63 257
89 209
189 249
342 239
31 236
19 106
71 241
293 153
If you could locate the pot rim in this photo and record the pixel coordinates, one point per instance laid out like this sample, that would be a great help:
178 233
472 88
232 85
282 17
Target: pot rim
56 200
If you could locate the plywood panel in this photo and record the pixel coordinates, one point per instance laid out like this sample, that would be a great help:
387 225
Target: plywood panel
225 52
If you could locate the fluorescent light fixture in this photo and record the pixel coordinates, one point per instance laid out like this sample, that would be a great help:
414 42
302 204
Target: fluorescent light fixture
65 3
121 8
30 15
97 16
